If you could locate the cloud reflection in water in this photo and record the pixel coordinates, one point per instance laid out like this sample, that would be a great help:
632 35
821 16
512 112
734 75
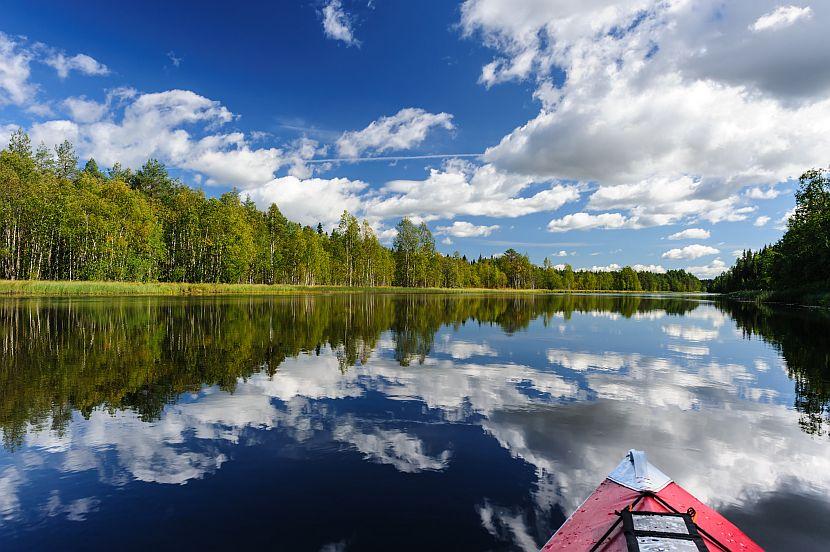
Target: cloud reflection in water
568 404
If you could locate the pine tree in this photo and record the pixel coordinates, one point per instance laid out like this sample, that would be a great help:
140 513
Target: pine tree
91 168
20 144
44 160
152 179
117 172
66 164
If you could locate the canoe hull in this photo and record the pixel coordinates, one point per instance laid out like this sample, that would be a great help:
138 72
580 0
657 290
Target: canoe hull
593 519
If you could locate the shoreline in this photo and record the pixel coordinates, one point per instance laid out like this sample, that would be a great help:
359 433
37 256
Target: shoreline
792 297
82 288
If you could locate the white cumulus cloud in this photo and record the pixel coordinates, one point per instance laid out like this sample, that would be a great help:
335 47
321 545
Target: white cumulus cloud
785 219
82 110
16 56
761 221
179 127
291 194
758 193
464 229
694 251
404 130
711 106
81 63
460 189
587 221
649 268
691 234
715 268
15 87
613 267
781 17
661 201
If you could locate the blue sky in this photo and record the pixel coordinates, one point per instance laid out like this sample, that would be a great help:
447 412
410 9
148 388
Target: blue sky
600 129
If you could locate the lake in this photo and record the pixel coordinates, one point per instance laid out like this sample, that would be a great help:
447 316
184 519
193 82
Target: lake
399 421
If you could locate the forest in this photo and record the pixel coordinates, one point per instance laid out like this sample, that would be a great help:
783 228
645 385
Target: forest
61 222
800 260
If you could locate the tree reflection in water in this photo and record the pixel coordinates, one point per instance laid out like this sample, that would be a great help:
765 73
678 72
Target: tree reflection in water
141 354
802 336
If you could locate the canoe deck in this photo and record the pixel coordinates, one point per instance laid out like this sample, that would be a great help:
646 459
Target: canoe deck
600 511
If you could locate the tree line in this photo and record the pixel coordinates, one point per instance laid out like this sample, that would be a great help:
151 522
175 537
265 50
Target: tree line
59 222
801 258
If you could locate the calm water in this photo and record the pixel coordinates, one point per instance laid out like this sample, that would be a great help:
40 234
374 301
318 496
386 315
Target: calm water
399 421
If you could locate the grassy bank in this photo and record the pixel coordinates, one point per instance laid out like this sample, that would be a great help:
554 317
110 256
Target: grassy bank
31 288
24 288
806 296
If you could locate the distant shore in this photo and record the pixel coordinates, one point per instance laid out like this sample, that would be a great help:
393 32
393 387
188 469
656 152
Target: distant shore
802 297
52 288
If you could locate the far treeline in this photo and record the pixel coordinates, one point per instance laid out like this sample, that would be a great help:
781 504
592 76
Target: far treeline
798 265
61 223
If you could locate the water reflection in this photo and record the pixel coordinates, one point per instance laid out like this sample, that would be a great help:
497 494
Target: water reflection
801 338
514 406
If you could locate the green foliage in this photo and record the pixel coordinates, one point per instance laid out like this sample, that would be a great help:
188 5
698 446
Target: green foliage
517 268
801 259
405 246
59 223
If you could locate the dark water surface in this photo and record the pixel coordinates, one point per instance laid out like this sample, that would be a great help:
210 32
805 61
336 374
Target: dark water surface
405 422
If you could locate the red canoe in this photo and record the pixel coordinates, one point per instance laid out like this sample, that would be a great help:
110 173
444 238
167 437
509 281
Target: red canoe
638 507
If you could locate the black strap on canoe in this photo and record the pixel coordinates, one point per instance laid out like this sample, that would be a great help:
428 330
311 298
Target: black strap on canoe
690 513
665 532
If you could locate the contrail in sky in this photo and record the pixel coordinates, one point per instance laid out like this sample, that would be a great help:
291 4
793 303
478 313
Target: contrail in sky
391 158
